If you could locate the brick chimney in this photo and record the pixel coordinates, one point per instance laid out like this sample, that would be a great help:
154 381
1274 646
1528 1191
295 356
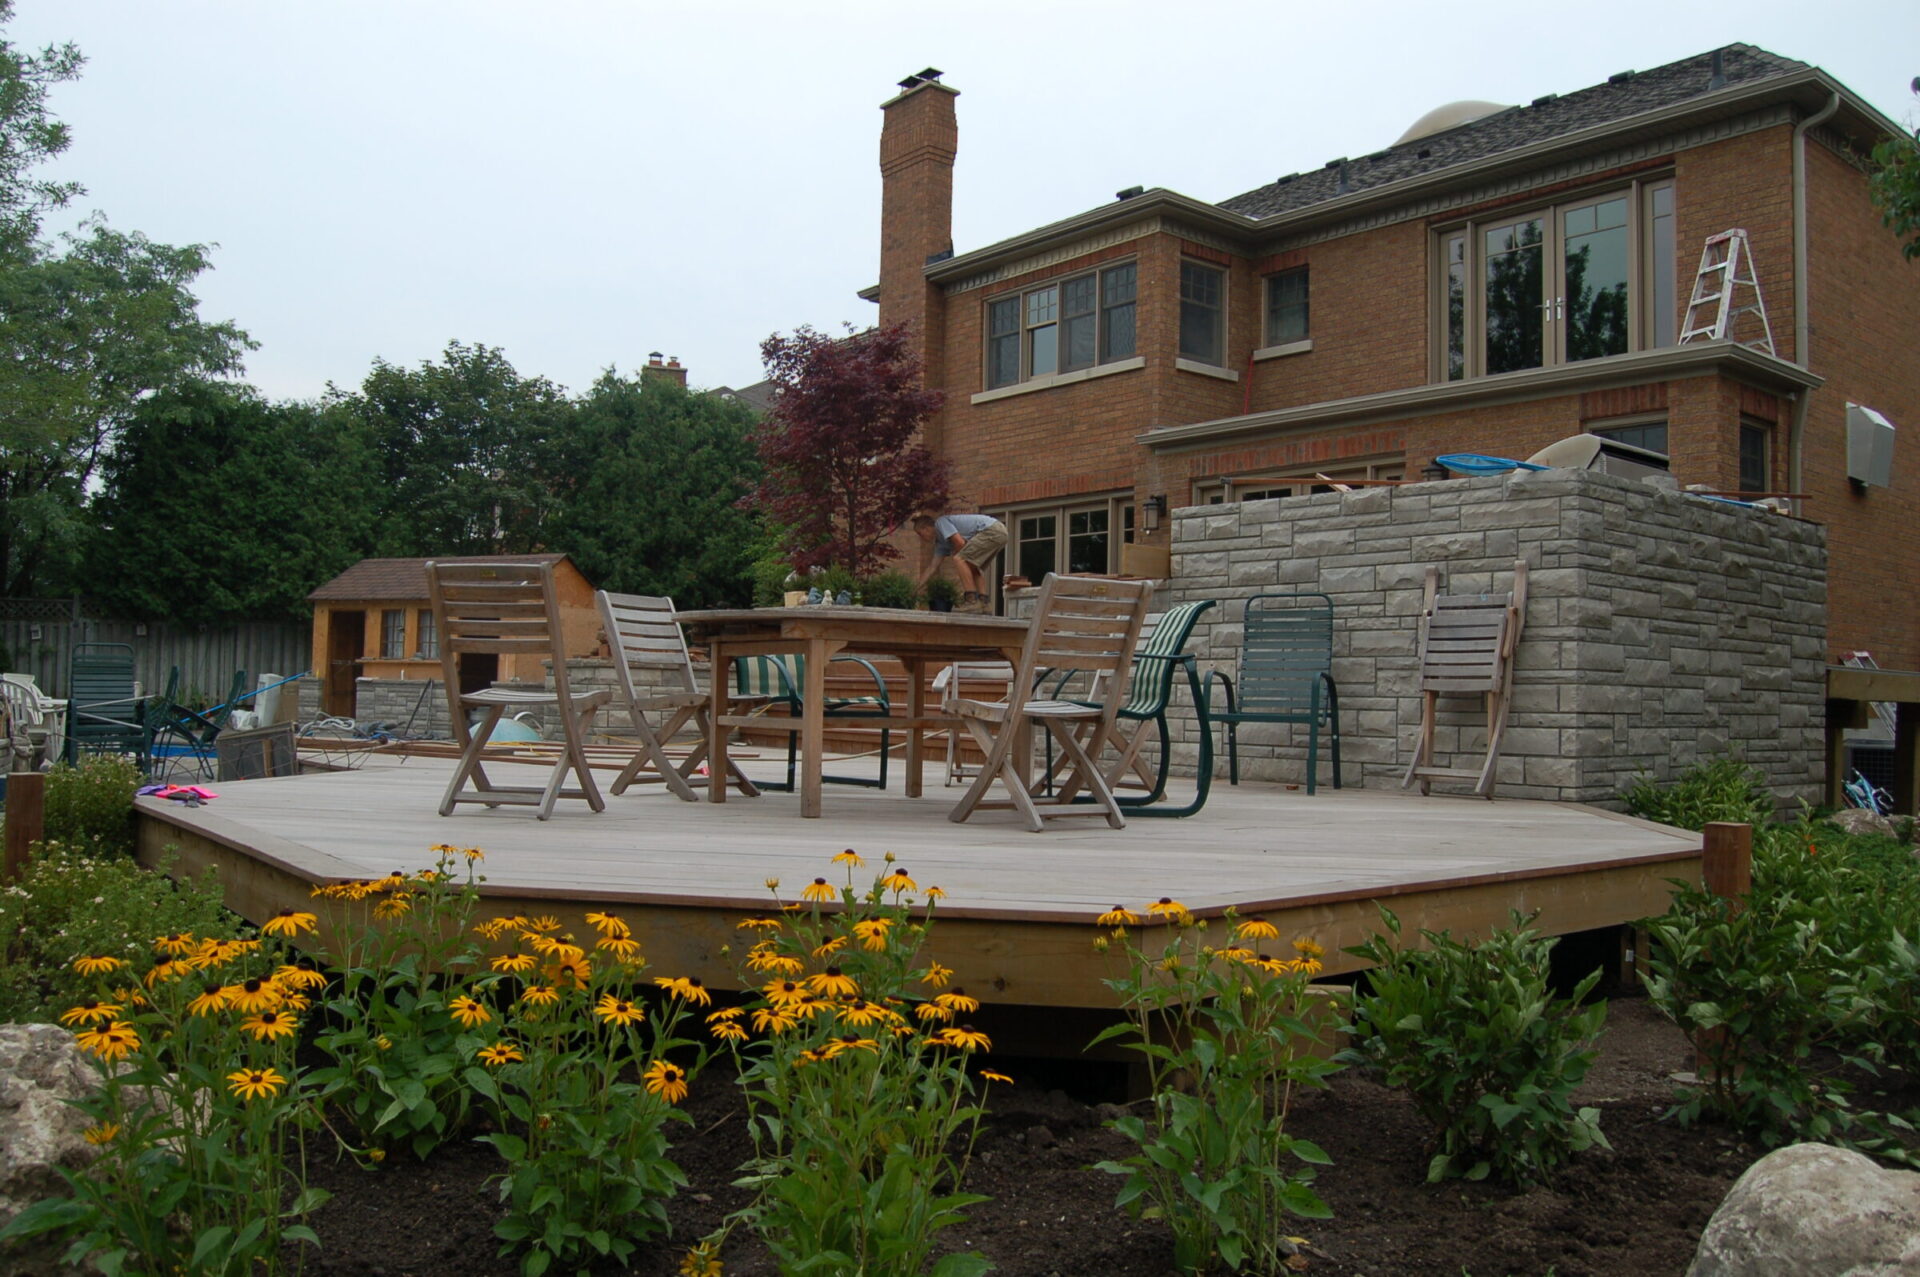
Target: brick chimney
667 370
918 139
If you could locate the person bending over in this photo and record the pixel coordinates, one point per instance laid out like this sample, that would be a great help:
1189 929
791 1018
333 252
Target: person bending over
971 541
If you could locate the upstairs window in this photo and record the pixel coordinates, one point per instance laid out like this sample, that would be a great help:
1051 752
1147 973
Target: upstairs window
1754 468
1062 326
393 634
1559 284
1287 307
1203 325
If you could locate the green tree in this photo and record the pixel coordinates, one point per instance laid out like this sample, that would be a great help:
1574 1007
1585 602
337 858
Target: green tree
1896 185
646 490
87 333
220 506
462 445
28 135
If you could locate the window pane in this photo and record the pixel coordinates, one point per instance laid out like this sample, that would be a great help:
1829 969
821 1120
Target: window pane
1596 277
1043 351
1200 292
393 634
1753 458
1652 437
1456 307
1003 342
1287 307
1661 246
1037 551
1116 317
429 638
1043 307
1087 541
1514 327
1077 343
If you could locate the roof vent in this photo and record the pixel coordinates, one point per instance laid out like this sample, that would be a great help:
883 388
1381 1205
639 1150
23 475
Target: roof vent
1130 192
1336 163
1425 153
1543 99
1620 77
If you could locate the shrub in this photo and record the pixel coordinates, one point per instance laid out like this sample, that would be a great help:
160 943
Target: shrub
889 589
91 805
73 902
1812 972
1487 1054
858 1099
942 589
1225 1037
1724 789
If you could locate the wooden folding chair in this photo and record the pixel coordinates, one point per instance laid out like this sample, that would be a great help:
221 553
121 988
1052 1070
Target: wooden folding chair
508 609
1086 623
1467 644
643 634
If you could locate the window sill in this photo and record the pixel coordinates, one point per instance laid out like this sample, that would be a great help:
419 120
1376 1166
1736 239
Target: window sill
1283 350
1206 370
1061 379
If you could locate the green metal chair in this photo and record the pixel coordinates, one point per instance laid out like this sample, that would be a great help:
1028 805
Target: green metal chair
777 680
1286 676
1162 651
103 713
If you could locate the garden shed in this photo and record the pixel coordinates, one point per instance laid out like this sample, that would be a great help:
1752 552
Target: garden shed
373 627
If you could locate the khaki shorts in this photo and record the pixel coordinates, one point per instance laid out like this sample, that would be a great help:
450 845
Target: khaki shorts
984 544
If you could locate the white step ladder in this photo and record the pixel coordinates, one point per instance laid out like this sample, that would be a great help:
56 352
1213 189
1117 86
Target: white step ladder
1726 266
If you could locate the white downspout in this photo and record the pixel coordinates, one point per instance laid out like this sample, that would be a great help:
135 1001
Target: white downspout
1796 429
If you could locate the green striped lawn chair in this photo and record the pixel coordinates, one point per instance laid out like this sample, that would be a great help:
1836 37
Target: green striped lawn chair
1286 676
777 680
1162 651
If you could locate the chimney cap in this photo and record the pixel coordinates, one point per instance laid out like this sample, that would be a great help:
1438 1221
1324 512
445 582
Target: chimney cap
929 75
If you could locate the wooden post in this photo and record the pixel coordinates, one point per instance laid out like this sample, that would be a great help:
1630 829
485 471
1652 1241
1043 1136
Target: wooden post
26 820
1726 870
1726 859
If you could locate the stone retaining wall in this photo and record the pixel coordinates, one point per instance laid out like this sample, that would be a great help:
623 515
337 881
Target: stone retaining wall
1661 630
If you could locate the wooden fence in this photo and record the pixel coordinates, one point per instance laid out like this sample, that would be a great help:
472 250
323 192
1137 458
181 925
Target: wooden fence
37 637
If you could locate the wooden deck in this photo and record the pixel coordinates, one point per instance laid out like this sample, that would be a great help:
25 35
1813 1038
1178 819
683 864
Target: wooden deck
1018 918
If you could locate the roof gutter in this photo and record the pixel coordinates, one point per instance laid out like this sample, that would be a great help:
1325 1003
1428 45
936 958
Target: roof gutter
1802 306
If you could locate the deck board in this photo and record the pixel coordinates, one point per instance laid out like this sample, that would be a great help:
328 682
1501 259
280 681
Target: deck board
1017 903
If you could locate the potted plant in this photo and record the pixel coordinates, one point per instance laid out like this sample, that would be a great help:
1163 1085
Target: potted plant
942 594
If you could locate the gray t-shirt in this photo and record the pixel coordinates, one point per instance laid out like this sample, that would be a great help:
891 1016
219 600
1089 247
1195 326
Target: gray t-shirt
965 526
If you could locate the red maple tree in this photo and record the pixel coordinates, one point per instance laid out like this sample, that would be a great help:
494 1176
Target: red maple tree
844 462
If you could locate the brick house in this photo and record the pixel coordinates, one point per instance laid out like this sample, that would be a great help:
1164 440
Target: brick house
1498 279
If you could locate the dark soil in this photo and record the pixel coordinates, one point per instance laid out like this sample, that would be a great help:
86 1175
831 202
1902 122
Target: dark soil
1638 1209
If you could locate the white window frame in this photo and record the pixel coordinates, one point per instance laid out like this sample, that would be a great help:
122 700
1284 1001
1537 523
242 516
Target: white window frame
1295 481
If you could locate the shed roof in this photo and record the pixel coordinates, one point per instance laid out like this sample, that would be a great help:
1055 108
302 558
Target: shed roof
404 580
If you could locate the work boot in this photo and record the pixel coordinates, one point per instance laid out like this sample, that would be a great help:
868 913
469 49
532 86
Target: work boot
971 602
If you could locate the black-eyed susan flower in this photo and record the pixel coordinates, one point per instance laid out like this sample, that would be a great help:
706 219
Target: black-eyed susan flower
666 1080
809 1006
289 922
827 948
958 999
990 1076
783 992
113 1042
211 999
833 983
174 943
395 905
965 1037
470 1013
702 1261
774 963
608 924
253 994
101 1135
1257 929
500 1053
383 1042
936 976
539 995
545 922
255 1084
861 1013
299 975
808 1056
1118 916
835 1047
91 1011
773 884
728 1031
936 893
623 948
1166 906
1309 948
872 933
899 880
687 987
849 857
473 854
931 1011
269 1025
87 964
759 924
165 967
620 1011
725 1013
818 890
513 962
569 975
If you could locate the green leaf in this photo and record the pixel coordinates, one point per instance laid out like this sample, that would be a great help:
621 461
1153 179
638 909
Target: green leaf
45 1216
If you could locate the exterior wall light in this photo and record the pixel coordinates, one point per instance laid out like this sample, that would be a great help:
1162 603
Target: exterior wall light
1152 511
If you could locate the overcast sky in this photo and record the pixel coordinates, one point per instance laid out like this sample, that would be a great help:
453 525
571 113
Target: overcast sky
582 181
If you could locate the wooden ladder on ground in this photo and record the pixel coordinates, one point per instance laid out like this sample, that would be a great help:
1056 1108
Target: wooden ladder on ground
1726 268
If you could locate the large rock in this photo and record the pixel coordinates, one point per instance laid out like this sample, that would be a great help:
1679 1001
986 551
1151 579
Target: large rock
1814 1211
1858 820
40 1132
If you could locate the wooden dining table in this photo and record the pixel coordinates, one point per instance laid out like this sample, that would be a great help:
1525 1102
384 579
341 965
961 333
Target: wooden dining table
923 642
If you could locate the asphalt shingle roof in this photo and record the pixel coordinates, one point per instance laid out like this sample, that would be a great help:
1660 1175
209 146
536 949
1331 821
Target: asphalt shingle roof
1619 98
403 580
